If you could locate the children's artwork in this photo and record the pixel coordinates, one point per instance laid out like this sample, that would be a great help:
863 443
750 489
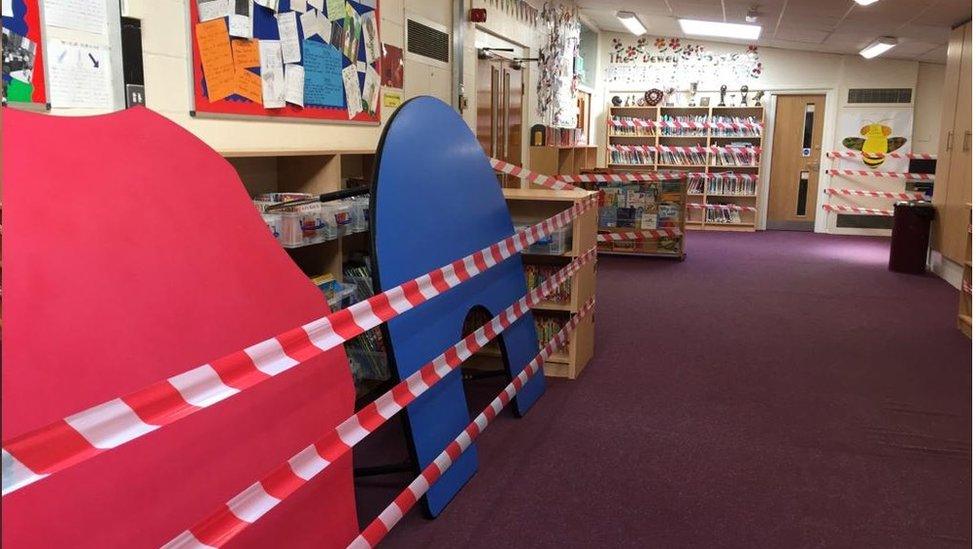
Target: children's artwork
392 66
662 62
289 58
23 67
874 133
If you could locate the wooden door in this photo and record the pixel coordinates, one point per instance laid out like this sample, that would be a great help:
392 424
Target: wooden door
487 92
959 190
512 128
795 173
499 121
942 236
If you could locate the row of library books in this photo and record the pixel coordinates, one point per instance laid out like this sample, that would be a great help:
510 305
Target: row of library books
732 186
535 275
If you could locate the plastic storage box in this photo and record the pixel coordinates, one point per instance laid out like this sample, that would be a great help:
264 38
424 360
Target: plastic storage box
557 243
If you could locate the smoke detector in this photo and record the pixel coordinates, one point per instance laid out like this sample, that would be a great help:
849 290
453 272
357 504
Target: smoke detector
752 15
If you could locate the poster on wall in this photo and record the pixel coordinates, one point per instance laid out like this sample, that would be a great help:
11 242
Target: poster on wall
23 58
873 133
642 63
287 58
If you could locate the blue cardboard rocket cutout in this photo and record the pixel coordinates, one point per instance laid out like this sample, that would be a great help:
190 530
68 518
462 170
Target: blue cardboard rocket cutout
436 199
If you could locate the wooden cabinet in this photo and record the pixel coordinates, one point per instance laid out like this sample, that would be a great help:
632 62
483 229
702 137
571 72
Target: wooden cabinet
555 160
953 179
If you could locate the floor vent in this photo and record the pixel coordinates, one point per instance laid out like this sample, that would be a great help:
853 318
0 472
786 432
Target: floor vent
864 222
879 95
427 41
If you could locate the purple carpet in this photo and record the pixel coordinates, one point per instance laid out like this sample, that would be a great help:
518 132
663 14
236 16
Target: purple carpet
774 389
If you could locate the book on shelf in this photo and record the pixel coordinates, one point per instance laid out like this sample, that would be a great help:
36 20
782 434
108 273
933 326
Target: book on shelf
535 275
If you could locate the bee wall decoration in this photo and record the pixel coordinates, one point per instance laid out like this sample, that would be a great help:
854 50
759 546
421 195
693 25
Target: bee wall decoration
875 144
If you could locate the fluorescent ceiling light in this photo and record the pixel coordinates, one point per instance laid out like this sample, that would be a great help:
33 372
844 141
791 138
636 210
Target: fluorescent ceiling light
865 2
879 46
633 24
695 27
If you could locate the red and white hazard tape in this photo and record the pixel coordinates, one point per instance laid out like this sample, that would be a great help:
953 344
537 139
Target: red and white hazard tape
623 177
857 210
257 499
875 194
967 287
535 177
382 524
675 124
877 156
37 454
686 149
699 206
891 175
724 175
651 234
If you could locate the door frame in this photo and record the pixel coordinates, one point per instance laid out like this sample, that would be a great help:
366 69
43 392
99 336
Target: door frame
483 37
830 121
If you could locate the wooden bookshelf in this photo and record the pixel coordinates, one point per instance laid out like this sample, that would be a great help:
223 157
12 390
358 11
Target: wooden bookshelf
561 160
697 218
539 204
965 321
313 172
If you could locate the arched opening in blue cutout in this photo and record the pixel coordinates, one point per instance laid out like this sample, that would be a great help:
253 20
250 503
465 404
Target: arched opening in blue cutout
486 373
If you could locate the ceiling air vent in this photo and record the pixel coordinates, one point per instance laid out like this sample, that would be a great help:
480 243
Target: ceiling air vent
879 95
427 41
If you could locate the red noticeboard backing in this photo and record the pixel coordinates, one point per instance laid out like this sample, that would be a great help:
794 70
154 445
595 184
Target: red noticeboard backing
133 253
265 28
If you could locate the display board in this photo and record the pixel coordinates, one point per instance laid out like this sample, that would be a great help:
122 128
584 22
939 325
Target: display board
122 282
23 53
426 149
287 58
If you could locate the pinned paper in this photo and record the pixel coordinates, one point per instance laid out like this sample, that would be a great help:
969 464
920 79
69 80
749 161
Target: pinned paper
336 9
241 20
317 4
371 37
291 50
248 85
213 42
246 53
272 74
298 5
371 89
270 4
7 8
213 9
310 24
353 27
323 74
392 99
79 75
354 99
295 85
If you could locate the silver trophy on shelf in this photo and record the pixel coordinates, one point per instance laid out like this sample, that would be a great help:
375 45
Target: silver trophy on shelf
745 96
721 95
692 91
669 97
758 98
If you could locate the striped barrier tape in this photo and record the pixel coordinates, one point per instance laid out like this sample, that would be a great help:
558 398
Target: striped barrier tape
651 234
675 124
382 524
535 177
837 208
967 287
875 194
256 500
686 149
622 177
892 175
878 156
698 206
37 454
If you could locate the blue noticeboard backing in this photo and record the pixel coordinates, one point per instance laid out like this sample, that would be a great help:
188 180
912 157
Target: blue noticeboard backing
436 199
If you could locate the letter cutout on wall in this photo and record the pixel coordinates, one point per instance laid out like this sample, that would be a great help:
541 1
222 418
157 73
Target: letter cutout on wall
435 199
133 253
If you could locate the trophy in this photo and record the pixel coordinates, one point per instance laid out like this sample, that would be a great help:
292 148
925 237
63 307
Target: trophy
745 96
758 98
721 97
692 90
669 97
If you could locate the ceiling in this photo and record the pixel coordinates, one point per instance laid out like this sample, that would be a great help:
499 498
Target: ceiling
837 26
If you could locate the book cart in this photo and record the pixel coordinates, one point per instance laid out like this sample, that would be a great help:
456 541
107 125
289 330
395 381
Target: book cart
719 148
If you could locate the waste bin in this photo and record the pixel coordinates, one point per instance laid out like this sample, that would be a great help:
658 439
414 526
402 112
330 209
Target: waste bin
910 236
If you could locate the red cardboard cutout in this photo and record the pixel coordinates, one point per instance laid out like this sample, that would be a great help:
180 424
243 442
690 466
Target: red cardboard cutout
132 253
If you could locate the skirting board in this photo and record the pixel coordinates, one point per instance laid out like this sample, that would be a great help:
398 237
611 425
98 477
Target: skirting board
948 270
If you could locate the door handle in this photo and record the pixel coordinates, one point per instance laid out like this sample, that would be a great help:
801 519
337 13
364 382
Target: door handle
949 137
967 137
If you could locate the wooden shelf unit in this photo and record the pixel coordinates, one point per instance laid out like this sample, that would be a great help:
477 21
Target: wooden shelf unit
538 204
313 172
672 192
696 218
965 322
561 160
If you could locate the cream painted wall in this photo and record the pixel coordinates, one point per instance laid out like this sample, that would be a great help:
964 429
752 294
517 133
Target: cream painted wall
928 107
167 70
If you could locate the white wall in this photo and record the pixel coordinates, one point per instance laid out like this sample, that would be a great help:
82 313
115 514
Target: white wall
928 107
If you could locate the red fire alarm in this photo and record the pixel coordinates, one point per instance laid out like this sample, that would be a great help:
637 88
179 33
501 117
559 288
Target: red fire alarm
478 15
